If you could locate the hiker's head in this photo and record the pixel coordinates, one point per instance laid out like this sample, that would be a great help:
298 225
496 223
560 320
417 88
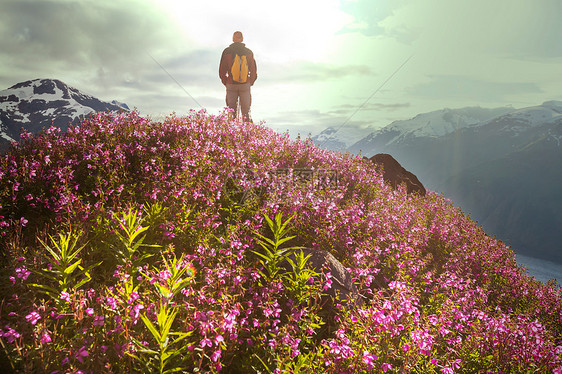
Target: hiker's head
237 37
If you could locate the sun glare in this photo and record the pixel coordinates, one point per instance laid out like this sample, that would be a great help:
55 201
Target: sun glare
285 31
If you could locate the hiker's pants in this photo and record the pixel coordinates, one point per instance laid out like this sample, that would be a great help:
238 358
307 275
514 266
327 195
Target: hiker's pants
242 91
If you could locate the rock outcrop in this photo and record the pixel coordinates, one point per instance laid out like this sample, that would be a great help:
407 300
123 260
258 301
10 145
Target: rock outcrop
394 174
324 262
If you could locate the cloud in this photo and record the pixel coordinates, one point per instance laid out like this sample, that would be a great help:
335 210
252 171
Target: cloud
313 121
96 42
540 32
195 68
369 14
303 122
348 108
163 104
101 31
309 72
469 89
502 27
104 48
465 53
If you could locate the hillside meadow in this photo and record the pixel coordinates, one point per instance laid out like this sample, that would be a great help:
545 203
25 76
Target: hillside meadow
133 245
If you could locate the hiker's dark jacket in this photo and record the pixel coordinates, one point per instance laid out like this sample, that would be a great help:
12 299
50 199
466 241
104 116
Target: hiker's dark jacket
227 59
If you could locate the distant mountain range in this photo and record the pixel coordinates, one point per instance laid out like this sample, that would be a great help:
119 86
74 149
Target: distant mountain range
41 103
503 166
339 138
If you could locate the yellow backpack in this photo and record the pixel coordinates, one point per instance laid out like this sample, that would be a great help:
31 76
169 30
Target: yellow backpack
239 69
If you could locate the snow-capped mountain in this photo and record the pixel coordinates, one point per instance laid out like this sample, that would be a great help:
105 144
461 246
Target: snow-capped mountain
339 138
426 125
503 166
522 120
40 103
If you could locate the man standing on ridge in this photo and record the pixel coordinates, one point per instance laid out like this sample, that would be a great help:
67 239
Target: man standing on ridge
238 72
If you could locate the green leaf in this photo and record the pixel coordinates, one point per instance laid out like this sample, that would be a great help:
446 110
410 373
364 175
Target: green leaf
173 370
266 257
283 240
270 222
265 240
70 269
145 350
284 225
87 270
73 255
53 253
83 281
46 274
183 336
136 233
168 321
152 328
46 289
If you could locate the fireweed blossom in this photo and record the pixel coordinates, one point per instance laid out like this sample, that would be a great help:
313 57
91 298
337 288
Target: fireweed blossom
65 296
433 285
81 354
45 338
10 334
33 318
22 273
369 359
99 320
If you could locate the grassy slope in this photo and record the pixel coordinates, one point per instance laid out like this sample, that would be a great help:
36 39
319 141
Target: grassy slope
438 294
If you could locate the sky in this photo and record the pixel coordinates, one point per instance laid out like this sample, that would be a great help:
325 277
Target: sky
356 65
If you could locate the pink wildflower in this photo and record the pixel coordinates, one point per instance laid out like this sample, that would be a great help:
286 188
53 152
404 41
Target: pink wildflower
134 297
111 302
385 367
328 284
219 339
206 342
45 338
65 296
81 354
22 273
163 275
134 313
369 359
33 317
11 335
216 355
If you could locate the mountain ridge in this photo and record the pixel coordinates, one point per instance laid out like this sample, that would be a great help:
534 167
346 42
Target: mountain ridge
38 103
503 171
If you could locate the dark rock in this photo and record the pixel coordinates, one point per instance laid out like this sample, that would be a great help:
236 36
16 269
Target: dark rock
395 174
46 86
342 291
324 262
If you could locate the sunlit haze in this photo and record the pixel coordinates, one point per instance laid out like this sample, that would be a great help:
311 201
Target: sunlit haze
318 60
